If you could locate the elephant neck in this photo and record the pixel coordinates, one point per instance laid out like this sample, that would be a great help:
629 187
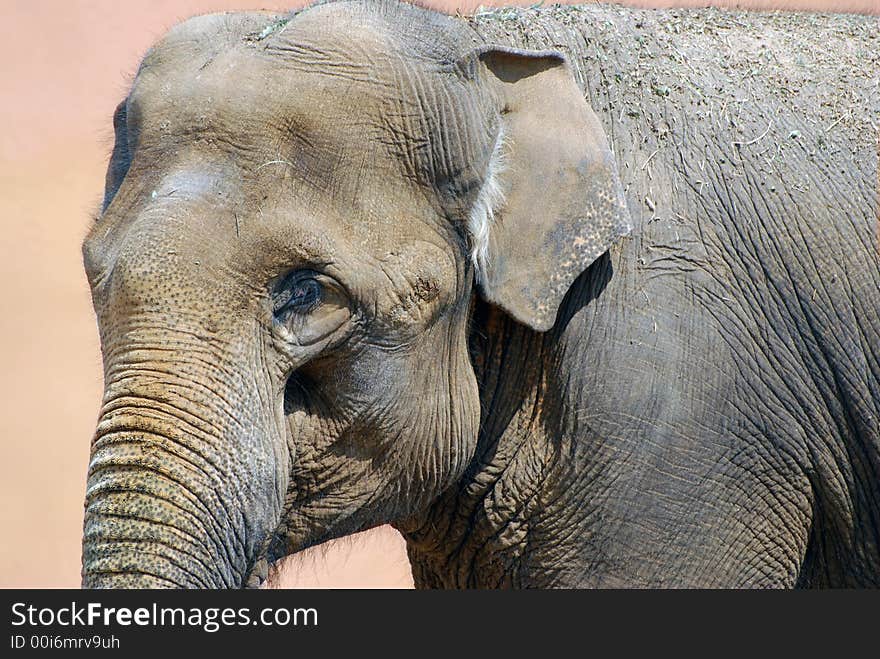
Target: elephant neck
503 525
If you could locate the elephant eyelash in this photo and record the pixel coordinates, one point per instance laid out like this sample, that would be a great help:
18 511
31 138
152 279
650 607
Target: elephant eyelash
488 202
298 295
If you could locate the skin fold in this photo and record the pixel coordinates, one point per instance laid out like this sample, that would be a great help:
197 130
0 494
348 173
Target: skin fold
656 367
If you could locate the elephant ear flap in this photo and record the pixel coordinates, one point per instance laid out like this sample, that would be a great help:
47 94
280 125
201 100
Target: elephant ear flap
558 203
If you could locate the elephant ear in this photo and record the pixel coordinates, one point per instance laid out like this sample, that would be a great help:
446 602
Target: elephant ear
559 202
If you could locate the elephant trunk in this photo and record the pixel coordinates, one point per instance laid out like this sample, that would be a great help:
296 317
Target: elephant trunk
184 488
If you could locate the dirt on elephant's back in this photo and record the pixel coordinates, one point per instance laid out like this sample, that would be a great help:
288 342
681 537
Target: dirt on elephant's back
822 66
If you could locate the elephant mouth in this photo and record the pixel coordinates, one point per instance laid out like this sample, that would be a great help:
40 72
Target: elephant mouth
276 549
259 574
260 571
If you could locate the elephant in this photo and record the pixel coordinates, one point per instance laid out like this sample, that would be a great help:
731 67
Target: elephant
572 296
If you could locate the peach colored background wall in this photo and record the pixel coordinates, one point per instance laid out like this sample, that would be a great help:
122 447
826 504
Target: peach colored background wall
63 68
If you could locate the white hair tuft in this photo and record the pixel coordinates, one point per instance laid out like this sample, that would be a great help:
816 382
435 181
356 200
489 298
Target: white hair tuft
488 202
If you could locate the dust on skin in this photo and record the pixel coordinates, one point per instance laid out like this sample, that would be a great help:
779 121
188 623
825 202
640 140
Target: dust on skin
61 96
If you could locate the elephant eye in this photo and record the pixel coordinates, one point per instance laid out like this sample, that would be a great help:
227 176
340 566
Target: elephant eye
298 293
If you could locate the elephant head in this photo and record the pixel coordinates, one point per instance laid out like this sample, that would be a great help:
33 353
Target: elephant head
296 212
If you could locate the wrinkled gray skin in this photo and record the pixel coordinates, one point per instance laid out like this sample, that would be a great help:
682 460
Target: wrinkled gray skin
295 348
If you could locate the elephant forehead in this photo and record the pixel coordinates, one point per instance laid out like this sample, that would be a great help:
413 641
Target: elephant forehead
307 78
285 128
328 90
246 103
331 126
